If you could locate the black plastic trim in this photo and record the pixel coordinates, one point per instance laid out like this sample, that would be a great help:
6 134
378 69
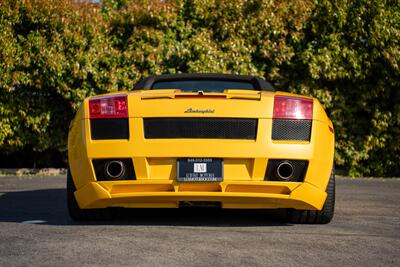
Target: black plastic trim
283 129
299 166
211 128
103 129
99 169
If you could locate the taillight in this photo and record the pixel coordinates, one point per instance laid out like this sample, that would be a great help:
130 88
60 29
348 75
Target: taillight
108 107
293 108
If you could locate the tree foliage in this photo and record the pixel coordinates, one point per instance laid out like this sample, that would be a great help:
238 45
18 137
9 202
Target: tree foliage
54 53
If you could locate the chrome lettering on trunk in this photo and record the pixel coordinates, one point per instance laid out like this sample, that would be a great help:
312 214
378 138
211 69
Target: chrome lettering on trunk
190 110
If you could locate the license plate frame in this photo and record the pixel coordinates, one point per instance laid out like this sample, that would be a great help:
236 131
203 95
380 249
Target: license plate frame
200 170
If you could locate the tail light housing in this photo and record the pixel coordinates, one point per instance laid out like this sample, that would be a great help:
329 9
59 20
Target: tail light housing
109 117
106 107
293 108
292 118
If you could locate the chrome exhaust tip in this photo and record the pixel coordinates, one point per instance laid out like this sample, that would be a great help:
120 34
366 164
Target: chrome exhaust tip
285 170
115 169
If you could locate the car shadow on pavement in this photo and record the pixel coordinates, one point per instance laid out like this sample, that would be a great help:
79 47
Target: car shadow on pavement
48 206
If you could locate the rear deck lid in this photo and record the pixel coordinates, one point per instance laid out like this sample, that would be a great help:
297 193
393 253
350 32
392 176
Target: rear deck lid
176 103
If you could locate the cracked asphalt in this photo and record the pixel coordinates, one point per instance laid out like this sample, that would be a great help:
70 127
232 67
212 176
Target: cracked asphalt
35 230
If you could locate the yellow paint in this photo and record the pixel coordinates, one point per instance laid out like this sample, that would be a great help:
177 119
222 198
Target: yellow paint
245 161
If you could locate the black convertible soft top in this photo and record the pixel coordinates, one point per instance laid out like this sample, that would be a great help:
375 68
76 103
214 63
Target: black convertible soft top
258 83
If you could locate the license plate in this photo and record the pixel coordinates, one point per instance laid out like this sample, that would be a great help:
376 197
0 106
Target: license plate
199 170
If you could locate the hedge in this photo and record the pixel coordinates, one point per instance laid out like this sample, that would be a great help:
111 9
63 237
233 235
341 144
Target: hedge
54 53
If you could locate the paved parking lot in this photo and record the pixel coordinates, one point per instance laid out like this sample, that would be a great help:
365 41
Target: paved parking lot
35 230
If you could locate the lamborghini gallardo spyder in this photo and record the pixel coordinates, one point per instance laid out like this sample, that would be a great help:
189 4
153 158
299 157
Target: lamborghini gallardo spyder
219 140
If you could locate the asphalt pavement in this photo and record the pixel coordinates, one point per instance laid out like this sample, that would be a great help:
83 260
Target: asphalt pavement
35 230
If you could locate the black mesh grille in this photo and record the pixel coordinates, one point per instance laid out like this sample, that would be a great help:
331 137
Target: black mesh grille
291 129
221 128
102 129
299 170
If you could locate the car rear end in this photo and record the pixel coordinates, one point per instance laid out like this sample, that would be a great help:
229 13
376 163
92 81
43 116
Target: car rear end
168 148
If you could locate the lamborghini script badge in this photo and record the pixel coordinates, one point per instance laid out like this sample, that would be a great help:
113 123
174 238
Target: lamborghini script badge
190 110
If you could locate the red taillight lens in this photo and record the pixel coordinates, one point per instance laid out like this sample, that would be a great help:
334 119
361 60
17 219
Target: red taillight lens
294 108
109 107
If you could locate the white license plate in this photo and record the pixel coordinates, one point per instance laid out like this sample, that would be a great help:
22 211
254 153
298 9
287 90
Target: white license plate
199 170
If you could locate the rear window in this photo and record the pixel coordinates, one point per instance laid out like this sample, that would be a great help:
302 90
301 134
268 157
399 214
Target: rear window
203 85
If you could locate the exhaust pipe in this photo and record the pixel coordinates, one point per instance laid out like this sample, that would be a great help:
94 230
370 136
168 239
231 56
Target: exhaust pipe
115 169
285 170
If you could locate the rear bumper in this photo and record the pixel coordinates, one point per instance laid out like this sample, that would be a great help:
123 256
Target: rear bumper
168 194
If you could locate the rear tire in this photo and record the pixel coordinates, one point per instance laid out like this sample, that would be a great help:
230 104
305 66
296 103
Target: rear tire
317 216
78 214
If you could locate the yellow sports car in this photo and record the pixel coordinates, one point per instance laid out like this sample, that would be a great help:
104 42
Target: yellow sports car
217 140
